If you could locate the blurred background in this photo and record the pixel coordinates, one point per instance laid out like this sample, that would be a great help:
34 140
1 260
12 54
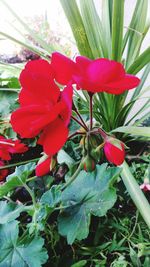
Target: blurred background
48 19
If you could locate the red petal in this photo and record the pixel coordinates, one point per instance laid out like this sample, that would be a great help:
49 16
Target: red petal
83 63
67 98
18 148
97 73
54 137
37 77
3 173
127 82
63 68
43 168
4 154
28 121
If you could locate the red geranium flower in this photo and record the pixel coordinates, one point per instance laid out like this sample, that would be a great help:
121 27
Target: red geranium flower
3 173
99 75
114 150
44 110
8 146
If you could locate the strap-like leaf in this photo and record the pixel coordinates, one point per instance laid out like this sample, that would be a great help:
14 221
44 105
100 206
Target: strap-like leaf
140 62
117 29
93 27
74 18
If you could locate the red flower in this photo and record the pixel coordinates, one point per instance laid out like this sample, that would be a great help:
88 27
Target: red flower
43 168
3 173
114 150
44 110
8 146
99 75
145 187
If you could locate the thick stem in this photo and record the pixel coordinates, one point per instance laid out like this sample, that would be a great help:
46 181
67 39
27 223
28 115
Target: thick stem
102 133
80 117
18 163
136 194
79 122
91 111
74 176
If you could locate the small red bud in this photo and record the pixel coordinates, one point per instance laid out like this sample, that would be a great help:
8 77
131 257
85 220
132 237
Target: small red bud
114 150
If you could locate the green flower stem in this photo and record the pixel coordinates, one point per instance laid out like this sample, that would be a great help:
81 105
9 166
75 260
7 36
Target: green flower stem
91 110
136 194
80 117
31 178
31 193
74 176
79 122
76 133
18 164
102 133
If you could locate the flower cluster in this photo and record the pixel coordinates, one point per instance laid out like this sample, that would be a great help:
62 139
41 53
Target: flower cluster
45 110
7 148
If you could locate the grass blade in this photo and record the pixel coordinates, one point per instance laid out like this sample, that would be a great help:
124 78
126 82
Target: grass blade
140 62
117 29
107 19
136 194
138 33
143 79
93 27
74 18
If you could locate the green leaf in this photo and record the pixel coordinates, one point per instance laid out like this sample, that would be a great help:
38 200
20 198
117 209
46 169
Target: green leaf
143 79
140 62
136 30
93 27
63 157
8 102
75 20
117 29
79 263
52 197
107 20
136 194
17 178
90 193
134 257
142 131
14 253
9 211
10 81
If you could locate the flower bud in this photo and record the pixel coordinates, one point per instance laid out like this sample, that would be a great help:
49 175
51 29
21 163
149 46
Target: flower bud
45 165
88 164
114 150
